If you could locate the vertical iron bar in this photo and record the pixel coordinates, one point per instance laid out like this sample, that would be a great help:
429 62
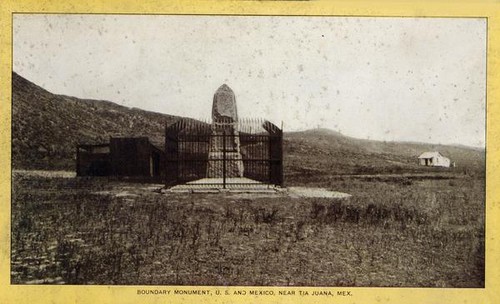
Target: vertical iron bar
166 162
224 158
265 150
270 169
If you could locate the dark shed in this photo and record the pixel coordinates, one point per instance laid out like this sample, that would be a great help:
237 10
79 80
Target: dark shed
135 157
93 160
123 157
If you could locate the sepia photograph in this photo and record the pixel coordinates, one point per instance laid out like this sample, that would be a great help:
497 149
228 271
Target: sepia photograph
230 150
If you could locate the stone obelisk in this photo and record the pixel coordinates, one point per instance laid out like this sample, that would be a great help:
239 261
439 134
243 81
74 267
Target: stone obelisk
224 154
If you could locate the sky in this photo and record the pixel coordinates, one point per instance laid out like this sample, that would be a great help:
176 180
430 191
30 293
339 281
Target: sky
390 79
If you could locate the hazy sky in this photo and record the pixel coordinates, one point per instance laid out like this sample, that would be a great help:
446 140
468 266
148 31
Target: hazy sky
403 79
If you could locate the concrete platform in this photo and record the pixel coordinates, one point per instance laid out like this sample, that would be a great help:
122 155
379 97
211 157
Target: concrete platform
253 188
215 185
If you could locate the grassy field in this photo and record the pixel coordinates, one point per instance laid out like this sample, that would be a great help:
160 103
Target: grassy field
423 230
404 225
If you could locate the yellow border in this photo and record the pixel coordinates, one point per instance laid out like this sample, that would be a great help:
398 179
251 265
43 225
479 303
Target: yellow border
128 294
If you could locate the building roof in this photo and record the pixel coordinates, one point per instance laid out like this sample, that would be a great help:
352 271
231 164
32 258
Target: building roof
430 154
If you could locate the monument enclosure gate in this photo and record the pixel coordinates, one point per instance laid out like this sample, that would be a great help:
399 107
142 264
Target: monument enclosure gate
225 154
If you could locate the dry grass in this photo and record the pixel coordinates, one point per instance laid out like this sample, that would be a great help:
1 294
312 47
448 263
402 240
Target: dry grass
412 226
391 232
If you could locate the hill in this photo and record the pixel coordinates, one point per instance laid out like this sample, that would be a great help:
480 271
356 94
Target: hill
47 127
321 152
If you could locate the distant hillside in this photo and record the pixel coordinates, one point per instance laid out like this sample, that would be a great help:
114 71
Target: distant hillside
323 151
47 127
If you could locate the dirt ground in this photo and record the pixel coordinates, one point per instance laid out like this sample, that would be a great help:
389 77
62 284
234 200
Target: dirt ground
389 231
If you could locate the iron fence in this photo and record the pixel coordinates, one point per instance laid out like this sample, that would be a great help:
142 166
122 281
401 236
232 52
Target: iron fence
224 154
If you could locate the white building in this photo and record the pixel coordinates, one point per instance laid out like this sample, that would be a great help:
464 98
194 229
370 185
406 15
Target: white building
433 159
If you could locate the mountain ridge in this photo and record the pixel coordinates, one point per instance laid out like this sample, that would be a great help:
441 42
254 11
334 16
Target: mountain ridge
45 136
46 127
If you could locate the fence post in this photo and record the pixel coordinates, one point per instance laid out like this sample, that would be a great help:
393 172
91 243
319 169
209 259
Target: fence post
271 142
224 158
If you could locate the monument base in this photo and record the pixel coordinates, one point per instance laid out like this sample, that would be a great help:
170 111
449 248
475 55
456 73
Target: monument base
233 185
233 165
